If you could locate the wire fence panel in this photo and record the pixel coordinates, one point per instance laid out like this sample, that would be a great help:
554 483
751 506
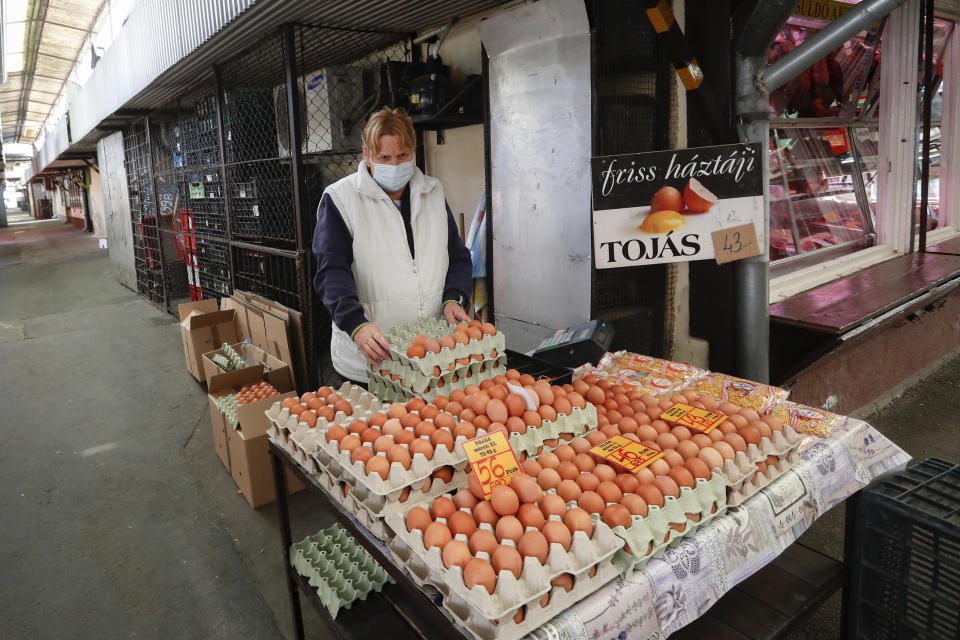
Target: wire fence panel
146 244
272 276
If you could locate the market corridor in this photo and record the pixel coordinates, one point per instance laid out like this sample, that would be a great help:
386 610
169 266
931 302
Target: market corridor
117 518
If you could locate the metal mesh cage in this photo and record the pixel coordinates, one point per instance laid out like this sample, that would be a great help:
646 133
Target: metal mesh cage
146 245
631 83
270 275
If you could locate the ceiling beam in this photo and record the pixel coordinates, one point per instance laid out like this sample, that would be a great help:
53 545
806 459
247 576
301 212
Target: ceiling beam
56 57
37 15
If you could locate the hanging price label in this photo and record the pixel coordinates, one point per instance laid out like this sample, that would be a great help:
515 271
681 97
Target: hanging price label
697 419
492 459
627 453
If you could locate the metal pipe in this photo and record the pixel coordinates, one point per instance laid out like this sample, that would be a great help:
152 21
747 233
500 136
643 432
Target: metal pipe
927 105
751 330
762 26
222 139
826 40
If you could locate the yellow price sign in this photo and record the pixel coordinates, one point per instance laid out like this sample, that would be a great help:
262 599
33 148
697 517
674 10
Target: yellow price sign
627 453
492 459
692 417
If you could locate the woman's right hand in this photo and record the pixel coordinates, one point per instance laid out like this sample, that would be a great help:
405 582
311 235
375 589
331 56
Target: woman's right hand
374 347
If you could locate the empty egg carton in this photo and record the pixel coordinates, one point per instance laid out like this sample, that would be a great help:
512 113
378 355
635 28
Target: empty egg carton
337 567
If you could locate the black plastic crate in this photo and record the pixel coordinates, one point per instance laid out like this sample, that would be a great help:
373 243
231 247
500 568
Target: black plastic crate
538 368
905 580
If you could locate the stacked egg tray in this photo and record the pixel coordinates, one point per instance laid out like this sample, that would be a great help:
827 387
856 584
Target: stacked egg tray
743 476
402 377
343 493
648 537
551 433
517 606
363 404
339 569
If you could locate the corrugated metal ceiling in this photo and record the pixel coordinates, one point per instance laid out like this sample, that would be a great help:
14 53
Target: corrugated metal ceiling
55 32
398 16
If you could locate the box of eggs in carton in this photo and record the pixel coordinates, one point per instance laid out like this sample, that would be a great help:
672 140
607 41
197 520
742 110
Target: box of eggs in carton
430 358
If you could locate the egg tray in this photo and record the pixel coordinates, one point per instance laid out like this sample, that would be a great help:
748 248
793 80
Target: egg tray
649 536
348 501
436 328
744 393
339 568
738 471
578 422
535 615
756 481
410 382
363 403
427 566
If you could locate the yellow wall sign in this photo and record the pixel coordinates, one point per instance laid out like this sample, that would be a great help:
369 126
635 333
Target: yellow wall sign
492 459
822 9
627 453
697 419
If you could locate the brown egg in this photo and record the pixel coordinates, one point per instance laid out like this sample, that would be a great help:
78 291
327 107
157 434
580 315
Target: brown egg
568 471
504 500
484 512
735 441
595 395
672 458
659 467
405 437
530 467
509 528
562 406
726 427
667 199
549 460
480 572
588 481
461 522
483 540
423 447
666 441
361 455
418 518
455 553
534 544
442 438
728 452
584 462
750 435
526 488
465 429
436 534
667 486
711 457
645 476
549 479
569 490
627 482
591 502
442 507
681 433
609 492
378 465
651 495
765 430
660 426
496 410
749 414
558 532
605 472
682 476
738 421
473 483
564 580
773 421
595 438
506 558
688 449
697 467
578 520
530 515
565 453
646 432
634 504
627 424
580 445
370 435
398 453
617 515
701 440
552 505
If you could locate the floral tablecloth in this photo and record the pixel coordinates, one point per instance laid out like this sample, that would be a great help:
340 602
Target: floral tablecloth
673 591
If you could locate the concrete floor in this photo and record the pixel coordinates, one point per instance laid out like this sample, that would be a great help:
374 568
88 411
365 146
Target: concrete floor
117 518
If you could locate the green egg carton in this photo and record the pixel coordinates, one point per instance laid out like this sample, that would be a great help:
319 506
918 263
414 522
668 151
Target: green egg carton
428 388
339 568
648 537
578 422
400 338
229 405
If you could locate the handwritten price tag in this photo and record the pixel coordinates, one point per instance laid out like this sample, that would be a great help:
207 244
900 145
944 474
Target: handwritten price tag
697 419
492 459
736 243
627 453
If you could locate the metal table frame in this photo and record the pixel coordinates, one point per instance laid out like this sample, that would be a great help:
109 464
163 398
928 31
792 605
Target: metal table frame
297 583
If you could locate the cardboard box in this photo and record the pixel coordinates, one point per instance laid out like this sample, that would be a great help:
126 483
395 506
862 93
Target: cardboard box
272 366
252 469
204 328
218 422
295 335
253 420
267 328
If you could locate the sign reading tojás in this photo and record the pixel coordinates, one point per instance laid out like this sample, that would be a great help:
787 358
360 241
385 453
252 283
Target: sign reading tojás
663 206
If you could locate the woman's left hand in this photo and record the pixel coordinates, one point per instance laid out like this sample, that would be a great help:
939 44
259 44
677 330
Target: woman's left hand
454 313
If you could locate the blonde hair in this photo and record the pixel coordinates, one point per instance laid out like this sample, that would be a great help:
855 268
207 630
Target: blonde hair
388 122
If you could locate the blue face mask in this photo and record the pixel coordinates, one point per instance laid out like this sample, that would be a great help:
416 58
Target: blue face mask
393 177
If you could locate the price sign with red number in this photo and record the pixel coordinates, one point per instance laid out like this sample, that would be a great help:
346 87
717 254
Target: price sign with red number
492 459
697 419
627 453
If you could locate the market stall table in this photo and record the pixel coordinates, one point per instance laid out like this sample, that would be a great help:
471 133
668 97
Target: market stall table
674 591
